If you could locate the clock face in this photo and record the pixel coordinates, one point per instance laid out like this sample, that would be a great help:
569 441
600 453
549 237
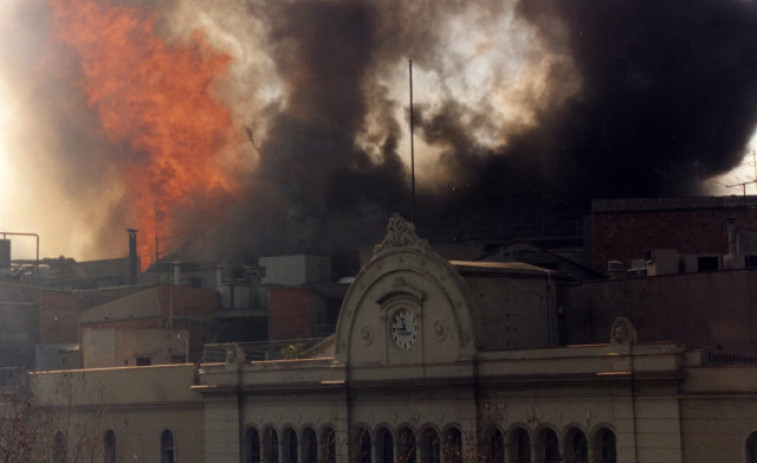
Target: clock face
404 329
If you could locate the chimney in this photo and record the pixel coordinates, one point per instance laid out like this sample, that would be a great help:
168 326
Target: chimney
176 267
133 259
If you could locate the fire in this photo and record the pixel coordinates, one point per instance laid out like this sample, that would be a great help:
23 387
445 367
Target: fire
157 97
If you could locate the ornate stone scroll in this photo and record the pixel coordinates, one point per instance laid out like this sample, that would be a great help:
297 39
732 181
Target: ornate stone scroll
399 232
622 332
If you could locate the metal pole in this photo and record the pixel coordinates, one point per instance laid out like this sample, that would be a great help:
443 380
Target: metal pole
412 150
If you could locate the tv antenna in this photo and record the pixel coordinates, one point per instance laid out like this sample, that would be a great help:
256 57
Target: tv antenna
749 181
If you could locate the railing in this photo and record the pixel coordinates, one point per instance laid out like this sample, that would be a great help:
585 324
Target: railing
736 357
501 232
259 351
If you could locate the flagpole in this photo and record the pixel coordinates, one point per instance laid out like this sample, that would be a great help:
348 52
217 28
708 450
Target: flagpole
412 150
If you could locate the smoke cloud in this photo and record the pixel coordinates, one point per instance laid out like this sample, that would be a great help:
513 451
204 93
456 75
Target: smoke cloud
524 111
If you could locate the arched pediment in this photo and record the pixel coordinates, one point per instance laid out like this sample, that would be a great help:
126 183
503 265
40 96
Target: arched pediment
407 305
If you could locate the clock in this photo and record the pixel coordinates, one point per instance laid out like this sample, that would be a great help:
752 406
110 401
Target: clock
404 328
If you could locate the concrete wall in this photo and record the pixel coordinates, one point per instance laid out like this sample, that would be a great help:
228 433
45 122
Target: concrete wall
113 347
700 310
520 311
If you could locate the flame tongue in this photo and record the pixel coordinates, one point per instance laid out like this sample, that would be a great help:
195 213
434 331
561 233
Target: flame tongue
156 97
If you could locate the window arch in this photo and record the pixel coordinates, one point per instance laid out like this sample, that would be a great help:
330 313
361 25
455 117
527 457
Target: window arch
548 447
328 445
109 446
270 446
430 446
453 446
309 446
59 448
495 446
520 446
290 445
384 446
605 450
252 446
406 446
576 447
167 449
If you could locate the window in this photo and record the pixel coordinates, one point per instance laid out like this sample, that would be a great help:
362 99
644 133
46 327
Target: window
604 447
384 446
520 446
109 444
143 361
496 448
252 446
364 445
453 446
271 446
59 448
167 451
290 446
708 263
548 448
430 447
751 448
406 446
576 447
328 444
309 446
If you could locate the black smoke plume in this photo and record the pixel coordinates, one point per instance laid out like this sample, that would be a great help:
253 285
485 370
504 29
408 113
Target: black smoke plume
611 99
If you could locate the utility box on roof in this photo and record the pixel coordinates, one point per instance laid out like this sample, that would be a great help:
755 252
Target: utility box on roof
300 269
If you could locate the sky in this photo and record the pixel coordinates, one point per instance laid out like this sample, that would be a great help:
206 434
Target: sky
242 128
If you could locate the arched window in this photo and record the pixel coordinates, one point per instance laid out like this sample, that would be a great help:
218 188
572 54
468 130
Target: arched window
167 450
548 448
270 446
576 447
751 448
309 446
384 446
495 446
59 448
604 447
109 444
252 446
406 446
363 445
453 446
520 446
430 447
328 445
290 445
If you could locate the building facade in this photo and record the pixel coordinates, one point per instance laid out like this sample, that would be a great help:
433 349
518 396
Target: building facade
432 361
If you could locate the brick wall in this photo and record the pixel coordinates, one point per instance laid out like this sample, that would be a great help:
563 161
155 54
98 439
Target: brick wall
290 313
58 318
625 235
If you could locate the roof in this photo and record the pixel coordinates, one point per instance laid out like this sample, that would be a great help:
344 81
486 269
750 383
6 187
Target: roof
499 267
670 204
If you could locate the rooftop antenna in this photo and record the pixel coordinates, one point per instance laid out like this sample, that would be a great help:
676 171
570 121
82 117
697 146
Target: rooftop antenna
412 150
750 181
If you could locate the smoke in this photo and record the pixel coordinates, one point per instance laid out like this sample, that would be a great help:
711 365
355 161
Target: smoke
524 110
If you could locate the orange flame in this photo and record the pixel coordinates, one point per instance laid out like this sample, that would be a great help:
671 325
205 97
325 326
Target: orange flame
158 98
